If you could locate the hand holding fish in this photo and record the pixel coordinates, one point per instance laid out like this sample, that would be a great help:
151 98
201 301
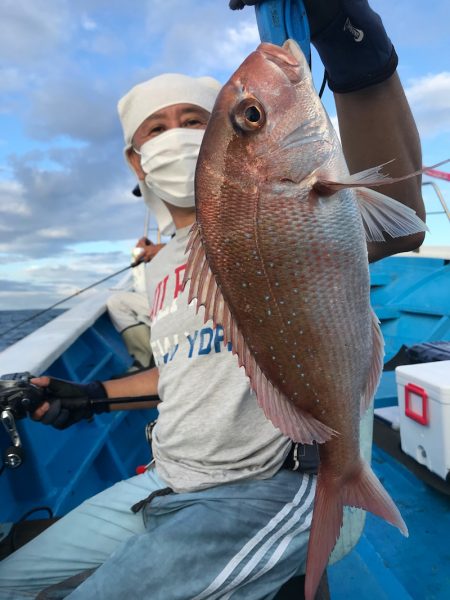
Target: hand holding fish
320 12
351 41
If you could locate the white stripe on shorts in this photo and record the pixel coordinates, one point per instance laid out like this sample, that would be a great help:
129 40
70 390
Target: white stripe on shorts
213 590
276 555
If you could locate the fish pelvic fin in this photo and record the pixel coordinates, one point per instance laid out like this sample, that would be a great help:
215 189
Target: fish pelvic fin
362 490
380 214
376 366
295 423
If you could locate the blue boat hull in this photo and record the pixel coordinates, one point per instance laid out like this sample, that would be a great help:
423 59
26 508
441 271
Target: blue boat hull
63 468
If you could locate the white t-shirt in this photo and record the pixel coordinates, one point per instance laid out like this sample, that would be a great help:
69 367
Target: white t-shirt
210 428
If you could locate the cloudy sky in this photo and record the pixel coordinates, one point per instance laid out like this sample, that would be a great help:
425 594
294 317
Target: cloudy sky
67 217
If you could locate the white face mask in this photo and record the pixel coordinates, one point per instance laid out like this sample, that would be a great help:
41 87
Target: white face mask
169 162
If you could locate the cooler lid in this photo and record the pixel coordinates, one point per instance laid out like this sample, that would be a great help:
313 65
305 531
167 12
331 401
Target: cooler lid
433 377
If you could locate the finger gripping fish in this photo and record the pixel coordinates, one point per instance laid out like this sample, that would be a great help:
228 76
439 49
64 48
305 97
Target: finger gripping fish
278 257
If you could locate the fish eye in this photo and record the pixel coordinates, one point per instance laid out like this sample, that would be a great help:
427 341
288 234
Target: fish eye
249 115
252 114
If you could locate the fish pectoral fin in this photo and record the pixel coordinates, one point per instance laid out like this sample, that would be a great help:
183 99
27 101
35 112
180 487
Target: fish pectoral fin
381 214
373 177
376 366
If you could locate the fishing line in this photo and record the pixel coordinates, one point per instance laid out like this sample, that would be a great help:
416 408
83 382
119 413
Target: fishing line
27 320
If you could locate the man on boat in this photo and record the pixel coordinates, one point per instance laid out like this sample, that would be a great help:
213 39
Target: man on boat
129 310
221 512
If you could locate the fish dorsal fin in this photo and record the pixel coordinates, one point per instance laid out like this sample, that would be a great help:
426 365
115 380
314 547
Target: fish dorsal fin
376 366
295 423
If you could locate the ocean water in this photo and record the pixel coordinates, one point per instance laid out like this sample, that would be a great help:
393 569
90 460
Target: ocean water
14 319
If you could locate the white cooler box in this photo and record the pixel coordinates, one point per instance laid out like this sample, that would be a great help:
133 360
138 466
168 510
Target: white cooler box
424 404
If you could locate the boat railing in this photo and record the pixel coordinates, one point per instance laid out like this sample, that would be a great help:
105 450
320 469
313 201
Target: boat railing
445 210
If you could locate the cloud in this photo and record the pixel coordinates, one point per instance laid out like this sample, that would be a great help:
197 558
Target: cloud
58 194
410 25
54 233
46 282
9 285
30 31
69 105
73 271
213 38
429 99
63 67
105 44
87 23
236 44
12 201
88 198
11 80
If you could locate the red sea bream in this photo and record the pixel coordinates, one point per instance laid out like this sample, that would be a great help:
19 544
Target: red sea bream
278 256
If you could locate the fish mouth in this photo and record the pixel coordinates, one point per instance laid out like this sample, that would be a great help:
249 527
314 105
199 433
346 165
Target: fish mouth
289 58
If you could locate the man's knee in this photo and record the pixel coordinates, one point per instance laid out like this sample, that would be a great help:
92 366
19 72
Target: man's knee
116 301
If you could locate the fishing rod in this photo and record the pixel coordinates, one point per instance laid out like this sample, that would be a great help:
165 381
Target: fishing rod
19 398
27 320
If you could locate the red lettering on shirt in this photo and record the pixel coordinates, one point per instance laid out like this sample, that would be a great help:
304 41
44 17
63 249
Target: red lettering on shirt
179 275
160 294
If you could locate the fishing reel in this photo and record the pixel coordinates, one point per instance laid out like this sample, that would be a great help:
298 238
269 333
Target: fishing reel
18 398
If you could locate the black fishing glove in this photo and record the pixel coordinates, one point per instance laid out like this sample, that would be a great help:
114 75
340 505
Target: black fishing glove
351 41
72 402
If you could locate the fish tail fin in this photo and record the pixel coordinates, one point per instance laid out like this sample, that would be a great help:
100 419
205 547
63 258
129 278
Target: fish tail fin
362 490
325 527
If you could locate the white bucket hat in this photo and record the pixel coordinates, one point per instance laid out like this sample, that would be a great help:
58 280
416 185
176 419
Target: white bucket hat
147 98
